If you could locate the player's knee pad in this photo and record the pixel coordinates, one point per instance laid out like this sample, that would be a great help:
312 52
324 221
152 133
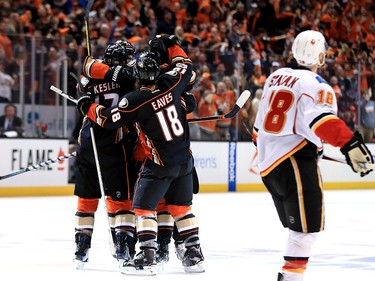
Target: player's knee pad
299 244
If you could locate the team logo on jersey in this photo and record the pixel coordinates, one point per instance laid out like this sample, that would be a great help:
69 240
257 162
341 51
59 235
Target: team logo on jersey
123 103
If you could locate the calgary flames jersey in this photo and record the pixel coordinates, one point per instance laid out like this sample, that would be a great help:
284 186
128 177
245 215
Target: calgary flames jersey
297 107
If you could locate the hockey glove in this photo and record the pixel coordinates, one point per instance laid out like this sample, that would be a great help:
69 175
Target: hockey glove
159 46
357 155
119 73
84 84
93 68
83 104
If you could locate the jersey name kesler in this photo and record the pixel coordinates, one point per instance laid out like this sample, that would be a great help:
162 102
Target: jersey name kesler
105 87
162 101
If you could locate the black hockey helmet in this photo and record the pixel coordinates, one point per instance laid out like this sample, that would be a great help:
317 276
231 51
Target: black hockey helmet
120 53
147 69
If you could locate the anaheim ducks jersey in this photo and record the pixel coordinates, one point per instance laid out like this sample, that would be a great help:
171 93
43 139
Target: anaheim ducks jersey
296 104
159 116
107 94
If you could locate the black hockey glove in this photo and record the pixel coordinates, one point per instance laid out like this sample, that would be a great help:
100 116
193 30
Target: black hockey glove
84 104
190 101
119 73
357 155
159 46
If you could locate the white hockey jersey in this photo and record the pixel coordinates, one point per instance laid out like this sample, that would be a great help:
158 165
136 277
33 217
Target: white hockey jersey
294 101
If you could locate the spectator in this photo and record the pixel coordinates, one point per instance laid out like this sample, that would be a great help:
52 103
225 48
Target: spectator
367 117
6 49
10 124
6 84
225 101
207 106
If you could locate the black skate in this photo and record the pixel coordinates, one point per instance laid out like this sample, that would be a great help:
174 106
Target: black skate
193 260
122 248
280 277
83 244
162 253
180 250
144 263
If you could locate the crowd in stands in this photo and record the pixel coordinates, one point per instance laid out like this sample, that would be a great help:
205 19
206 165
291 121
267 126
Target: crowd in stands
234 45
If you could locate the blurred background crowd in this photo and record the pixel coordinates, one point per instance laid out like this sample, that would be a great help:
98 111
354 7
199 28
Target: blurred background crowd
234 46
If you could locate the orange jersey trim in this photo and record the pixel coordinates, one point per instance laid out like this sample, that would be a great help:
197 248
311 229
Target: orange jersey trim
176 51
98 70
281 159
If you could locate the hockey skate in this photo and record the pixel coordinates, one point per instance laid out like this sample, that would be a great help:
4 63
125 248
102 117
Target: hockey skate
162 253
162 256
144 263
123 254
280 277
180 249
83 244
193 260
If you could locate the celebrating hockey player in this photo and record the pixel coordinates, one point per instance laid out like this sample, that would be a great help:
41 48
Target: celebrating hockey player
115 148
159 111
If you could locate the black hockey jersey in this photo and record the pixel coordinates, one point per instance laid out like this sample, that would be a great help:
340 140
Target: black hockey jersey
107 94
159 116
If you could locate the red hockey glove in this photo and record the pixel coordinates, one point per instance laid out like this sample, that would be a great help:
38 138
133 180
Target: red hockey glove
357 155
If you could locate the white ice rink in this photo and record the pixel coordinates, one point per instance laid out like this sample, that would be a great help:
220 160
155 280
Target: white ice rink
241 239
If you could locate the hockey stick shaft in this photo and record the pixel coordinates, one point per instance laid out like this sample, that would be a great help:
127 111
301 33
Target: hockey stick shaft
343 161
239 104
87 15
39 165
62 93
88 46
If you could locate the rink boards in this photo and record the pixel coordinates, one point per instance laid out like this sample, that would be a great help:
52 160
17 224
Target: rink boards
221 167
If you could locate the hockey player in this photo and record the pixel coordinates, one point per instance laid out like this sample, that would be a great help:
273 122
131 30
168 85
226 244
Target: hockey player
159 110
296 114
114 147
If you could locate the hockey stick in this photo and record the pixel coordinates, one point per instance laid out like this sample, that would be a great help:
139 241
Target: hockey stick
39 165
239 104
96 157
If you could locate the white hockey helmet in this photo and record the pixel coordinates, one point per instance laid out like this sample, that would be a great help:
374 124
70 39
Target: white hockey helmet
309 48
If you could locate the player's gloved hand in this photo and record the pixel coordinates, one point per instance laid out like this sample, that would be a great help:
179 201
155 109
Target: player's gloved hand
83 85
93 68
120 73
357 155
160 45
84 104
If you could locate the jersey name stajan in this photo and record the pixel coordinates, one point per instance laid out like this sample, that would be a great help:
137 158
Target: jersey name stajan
293 101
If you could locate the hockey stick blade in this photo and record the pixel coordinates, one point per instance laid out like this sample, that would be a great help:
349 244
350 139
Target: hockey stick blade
343 161
88 8
39 165
62 93
239 104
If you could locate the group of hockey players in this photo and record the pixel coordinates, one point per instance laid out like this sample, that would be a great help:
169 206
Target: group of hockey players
138 107
135 109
